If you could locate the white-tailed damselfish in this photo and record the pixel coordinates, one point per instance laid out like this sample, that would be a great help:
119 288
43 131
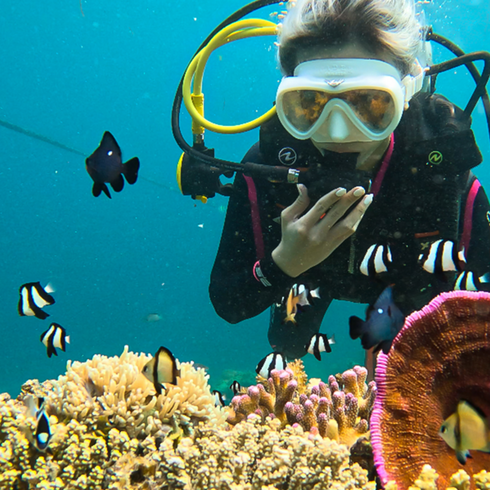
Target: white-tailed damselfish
55 337
162 369
383 322
33 297
105 165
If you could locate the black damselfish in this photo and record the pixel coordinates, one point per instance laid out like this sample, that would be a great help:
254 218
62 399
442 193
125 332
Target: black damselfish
105 165
383 322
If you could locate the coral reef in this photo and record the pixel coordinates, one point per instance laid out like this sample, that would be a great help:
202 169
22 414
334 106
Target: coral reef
339 413
438 358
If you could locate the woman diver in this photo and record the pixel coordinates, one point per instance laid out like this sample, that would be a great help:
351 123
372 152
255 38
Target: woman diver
389 197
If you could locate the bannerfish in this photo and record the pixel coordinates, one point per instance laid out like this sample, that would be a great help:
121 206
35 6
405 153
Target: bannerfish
55 337
105 165
33 297
468 281
376 260
442 256
383 322
319 343
274 360
219 399
161 369
298 297
466 429
236 388
42 434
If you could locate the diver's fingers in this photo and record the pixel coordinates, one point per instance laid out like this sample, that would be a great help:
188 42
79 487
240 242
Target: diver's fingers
321 207
298 207
348 226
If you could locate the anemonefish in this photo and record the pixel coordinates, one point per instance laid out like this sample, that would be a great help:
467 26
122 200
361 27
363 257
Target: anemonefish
161 369
274 360
319 343
33 297
468 281
466 429
376 260
298 297
219 399
42 434
55 336
105 165
442 256
383 322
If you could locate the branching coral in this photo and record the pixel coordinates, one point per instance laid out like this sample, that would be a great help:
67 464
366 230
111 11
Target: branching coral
340 414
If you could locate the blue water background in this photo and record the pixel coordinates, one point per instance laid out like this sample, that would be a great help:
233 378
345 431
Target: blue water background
71 75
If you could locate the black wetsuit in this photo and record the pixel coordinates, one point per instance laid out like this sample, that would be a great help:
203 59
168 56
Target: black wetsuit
422 199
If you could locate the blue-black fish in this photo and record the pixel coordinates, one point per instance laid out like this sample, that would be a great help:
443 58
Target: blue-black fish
33 297
105 165
383 322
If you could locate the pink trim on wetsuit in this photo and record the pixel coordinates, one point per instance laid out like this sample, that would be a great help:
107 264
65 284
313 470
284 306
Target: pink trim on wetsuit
384 167
256 226
468 216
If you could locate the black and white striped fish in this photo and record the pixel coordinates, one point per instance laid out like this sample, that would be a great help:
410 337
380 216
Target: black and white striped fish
442 256
377 259
219 399
274 360
468 281
33 297
235 387
320 343
42 435
55 337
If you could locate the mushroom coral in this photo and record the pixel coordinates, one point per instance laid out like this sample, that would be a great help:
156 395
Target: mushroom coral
441 356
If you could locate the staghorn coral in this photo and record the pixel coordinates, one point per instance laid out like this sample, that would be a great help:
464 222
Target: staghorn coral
339 414
439 357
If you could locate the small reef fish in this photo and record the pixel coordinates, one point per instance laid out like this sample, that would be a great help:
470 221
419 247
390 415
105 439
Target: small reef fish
466 429
105 165
236 388
376 260
153 317
443 256
33 297
42 434
298 297
55 337
161 369
468 281
274 360
383 322
319 343
219 399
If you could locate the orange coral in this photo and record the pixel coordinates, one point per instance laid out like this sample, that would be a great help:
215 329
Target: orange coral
439 357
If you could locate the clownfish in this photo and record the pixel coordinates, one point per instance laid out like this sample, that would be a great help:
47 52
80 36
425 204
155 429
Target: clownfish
467 428
161 369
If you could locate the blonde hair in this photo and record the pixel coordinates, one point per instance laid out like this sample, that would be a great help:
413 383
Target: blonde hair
383 25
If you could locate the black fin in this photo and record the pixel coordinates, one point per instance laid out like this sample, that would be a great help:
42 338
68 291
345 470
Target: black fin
356 326
118 183
130 170
385 346
98 187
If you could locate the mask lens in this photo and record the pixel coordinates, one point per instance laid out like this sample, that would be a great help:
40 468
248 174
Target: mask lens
374 108
302 108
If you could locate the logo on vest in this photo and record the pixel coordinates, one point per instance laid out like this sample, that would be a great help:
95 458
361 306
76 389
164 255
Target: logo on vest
287 156
435 158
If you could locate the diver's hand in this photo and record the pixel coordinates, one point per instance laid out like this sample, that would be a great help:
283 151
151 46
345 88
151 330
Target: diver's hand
309 239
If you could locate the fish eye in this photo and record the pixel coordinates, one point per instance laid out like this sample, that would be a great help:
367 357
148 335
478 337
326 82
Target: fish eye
380 311
109 153
443 429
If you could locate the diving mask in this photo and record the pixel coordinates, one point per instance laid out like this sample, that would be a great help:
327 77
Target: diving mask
345 100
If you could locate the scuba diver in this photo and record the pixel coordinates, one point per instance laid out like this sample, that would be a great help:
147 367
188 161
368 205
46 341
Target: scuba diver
386 193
